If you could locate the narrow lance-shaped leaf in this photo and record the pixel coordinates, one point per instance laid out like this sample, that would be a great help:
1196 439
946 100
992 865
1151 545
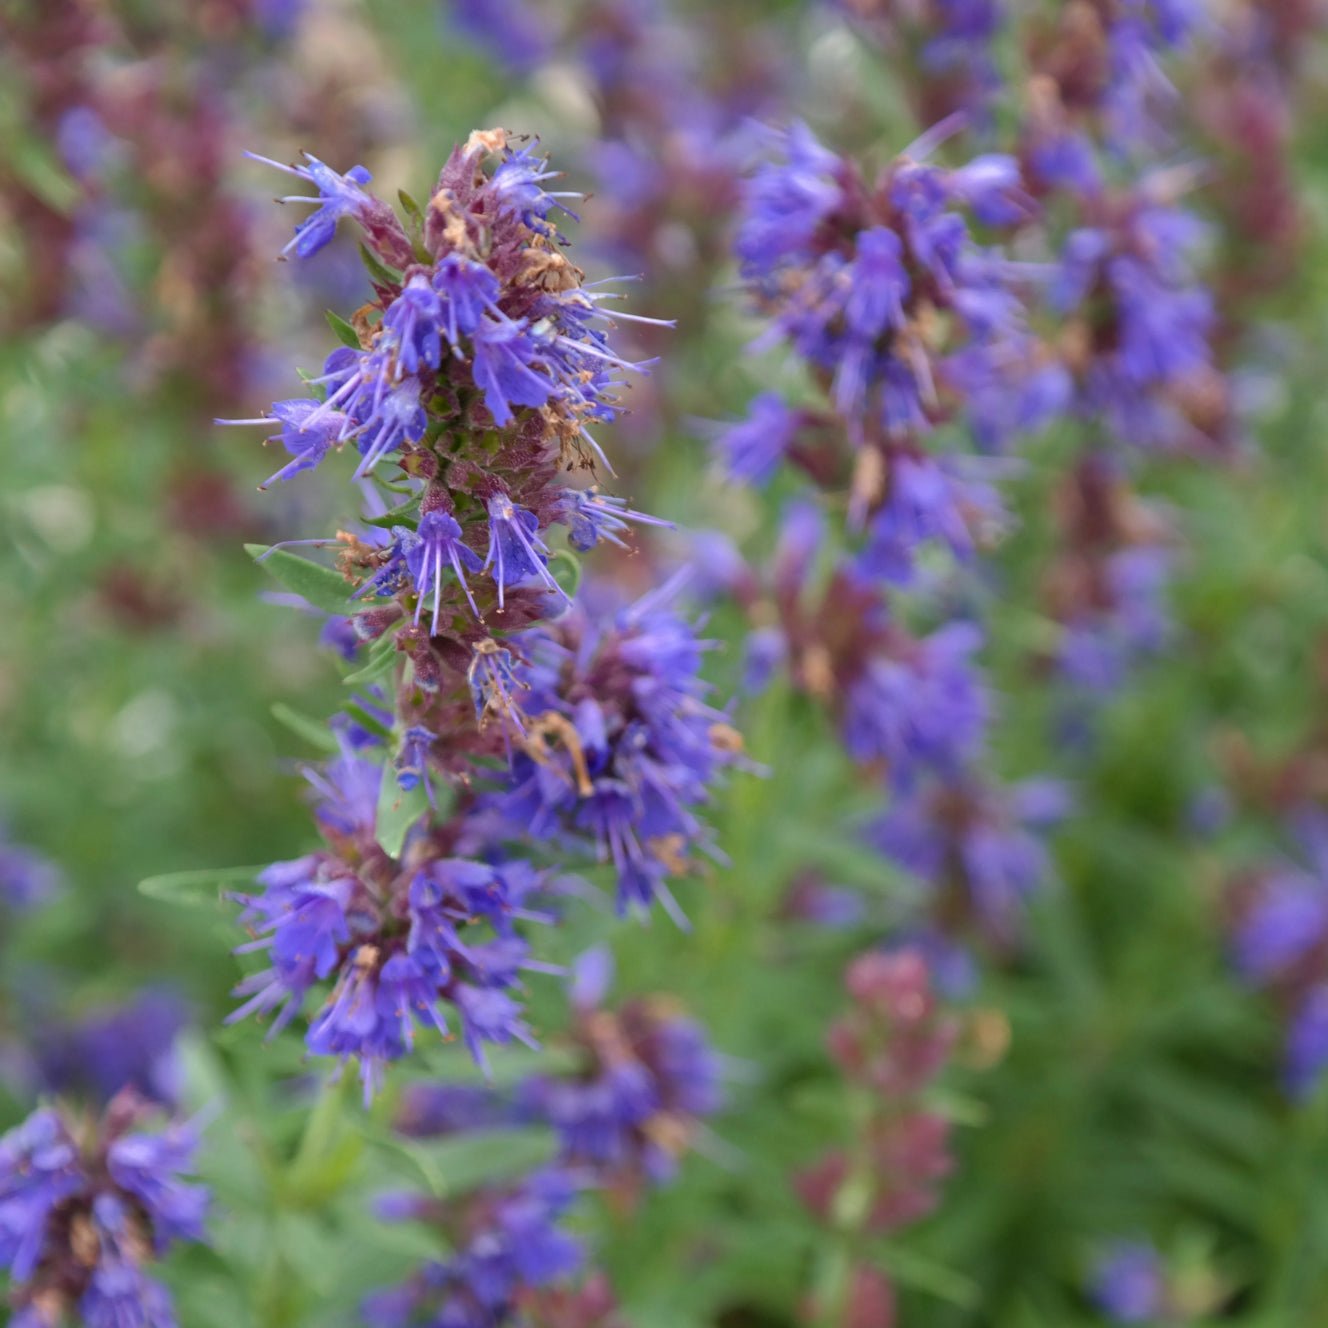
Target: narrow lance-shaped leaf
321 586
205 887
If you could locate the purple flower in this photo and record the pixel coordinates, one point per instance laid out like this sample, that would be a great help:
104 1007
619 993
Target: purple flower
380 411
510 31
646 1078
339 634
925 707
413 322
1128 1284
412 760
438 542
129 1046
490 1015
338 196
751 451
26 878
511 1243
84 143
626 762
985 841
1159 320
348 788
431 1110
875 301
516 552
1288 916
389 938
504 352
303 912
468 290
308 432
591 516
1102 642
516 184
121 1295
786 201
1307 1043
39 1170
149 1167
386 418
78 1220
858 300
929 500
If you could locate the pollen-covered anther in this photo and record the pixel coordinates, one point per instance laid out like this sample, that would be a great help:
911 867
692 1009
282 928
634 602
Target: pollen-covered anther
671 851
456 235
553 726
818 673
869 479
488 141
727 739
83 1242
551 268
668 1131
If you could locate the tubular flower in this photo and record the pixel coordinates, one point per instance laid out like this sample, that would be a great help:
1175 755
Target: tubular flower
620 747
474 377
83 1213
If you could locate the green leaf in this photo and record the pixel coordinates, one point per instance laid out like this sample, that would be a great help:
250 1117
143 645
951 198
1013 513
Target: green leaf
917 1270
411 207
197 889
377 269
39 168
345 333
404 514
321 586
566 569
365 720
382 660
313 731
398 810
459 1165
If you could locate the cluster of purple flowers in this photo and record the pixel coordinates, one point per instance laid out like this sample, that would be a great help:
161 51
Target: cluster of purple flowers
481 368
1280 943
861 279
612 749
507 1245
908 322
673 95
26 878
504 722
404 939
947 49
910 326
1139 326
978 846
621 747
93 1056
85 1208
137 109
1107 581
1097 78
642 1080
88 1197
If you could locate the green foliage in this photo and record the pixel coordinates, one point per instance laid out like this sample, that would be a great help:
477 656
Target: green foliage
1138 1093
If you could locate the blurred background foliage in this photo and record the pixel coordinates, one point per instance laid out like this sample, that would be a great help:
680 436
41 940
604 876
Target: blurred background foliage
1118 1080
